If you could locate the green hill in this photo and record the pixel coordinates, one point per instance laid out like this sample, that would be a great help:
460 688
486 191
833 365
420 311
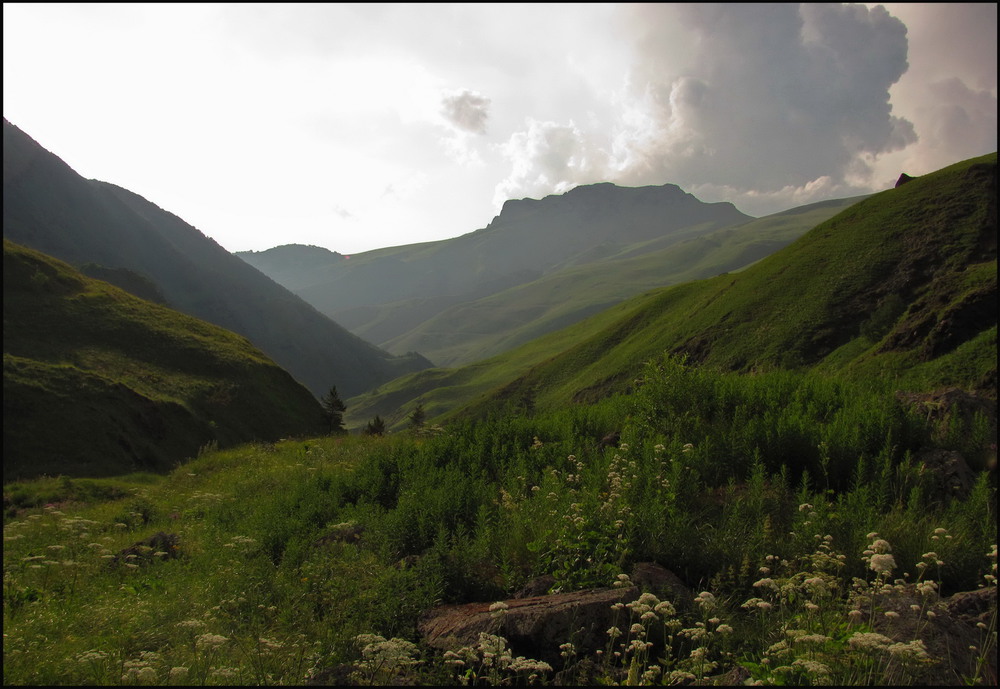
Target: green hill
123 238
474 330
99 382
901 285
385 294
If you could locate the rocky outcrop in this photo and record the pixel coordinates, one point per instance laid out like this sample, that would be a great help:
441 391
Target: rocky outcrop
903 179
535 626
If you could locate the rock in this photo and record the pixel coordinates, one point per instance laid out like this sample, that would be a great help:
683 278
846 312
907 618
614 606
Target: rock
534 627
144 552
949 636
903 179
657 579
952 475
610 440
536 587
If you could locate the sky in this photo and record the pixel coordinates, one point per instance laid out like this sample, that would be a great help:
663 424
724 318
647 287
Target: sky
355 127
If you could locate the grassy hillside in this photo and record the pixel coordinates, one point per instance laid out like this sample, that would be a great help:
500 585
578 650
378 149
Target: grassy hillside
278 564
900 285
99 382
381 295
50 208
474 330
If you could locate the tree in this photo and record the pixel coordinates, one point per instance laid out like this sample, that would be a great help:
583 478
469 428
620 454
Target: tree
333 410
376 426
417 418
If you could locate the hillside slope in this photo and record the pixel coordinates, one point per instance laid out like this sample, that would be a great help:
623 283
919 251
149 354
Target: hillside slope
48 207
99 382
472 331
901 285
383 294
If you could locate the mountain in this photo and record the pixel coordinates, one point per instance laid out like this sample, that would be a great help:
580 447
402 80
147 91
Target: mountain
49 207
385 294
97 381
475 330
901 285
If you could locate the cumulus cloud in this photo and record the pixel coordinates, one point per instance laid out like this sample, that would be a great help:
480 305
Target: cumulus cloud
770 96
466 110
765 105
547 158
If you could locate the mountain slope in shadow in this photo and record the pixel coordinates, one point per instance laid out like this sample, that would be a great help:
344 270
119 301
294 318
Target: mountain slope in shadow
49 207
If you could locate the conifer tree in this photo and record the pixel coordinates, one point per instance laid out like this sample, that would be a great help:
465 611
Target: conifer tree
333 409
417 418
376 426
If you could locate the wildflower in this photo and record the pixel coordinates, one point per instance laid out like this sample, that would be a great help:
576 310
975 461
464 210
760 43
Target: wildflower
805 506
210 641
912 651
891 614
882 564
614 632
811 667
665 608
724 629
868 641
881 546
178 674
705 599
499 606
766 583
687 447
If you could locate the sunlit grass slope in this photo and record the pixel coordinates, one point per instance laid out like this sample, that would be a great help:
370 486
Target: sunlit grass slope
902 284
474 330
100 382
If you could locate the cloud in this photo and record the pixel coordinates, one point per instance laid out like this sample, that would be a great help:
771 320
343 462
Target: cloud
767 97
466 110
547 158
764 105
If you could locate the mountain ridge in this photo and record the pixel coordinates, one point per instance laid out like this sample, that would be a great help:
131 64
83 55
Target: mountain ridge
49 207
930 244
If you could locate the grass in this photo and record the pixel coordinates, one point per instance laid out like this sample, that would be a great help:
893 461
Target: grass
146 385
302 557
926 244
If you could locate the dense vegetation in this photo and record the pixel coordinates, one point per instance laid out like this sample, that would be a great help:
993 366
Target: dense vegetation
273 561
809 443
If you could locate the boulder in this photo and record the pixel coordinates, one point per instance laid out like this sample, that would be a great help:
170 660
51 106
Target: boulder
536 625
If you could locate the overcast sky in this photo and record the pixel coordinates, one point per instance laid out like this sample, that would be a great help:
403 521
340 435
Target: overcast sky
355 127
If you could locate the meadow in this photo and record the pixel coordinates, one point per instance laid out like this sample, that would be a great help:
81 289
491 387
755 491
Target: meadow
820 549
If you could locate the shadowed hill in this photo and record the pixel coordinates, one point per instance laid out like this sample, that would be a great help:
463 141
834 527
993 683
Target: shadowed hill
100 382
901 285
48 207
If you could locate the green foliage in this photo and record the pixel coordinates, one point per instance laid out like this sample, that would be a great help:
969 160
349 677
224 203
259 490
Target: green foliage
376 426
333 408
927 242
